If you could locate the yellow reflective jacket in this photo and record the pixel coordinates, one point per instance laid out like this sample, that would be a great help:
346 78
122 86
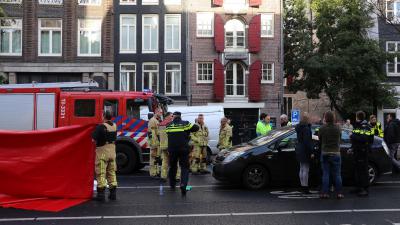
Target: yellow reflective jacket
225 137
153 133
200 138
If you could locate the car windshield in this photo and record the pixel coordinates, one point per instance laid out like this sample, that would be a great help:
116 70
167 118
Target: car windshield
262 140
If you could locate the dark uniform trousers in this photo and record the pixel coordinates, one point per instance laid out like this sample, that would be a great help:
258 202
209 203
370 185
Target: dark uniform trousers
361 168
181 155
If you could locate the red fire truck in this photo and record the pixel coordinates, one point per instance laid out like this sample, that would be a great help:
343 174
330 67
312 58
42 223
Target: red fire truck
56 105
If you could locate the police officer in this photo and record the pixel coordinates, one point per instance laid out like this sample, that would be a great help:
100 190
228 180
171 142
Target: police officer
154 142
164 147
361 141
225 135
376 127
200 143
178 148
105 136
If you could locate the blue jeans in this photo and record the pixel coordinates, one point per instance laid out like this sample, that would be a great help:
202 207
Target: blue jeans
331 164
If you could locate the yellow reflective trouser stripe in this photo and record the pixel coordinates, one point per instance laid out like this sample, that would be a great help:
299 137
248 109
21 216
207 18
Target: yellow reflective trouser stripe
362 132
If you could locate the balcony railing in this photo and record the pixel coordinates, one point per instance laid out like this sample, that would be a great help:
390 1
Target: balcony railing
11 1
51 2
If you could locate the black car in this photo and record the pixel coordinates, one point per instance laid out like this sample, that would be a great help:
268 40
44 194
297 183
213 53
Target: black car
271 160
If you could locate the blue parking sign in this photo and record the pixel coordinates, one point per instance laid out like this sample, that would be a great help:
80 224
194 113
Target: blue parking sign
295 116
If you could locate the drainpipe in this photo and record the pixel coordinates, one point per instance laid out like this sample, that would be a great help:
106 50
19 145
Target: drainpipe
280 98
188 56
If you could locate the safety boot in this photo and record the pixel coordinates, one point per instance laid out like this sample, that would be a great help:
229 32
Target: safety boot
113 194
101 196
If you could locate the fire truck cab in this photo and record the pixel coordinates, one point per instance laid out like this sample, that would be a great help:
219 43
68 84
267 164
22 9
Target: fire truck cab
44 108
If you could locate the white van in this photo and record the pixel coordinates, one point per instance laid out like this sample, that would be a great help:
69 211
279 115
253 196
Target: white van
212 119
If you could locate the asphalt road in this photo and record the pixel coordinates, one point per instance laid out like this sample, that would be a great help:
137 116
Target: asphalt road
142 201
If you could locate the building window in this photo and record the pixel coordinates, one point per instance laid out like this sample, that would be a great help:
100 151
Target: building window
173 78
235 34
287 106
50 37
150 34
267 73
127 2
205 72
150 76
11 1
51 2
172 2
393 67
127 77
235 80
11 37
149 2
89 40
393 11
89 2
173 33
267 25
85 107
205 24
127 34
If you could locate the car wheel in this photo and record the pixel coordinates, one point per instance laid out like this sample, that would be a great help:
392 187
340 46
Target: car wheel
372 173
126 159
255 177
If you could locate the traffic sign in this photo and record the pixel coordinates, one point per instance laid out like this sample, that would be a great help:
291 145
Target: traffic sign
295 116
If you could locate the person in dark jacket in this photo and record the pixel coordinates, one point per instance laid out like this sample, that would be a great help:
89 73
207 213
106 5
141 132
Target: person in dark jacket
329 136
304 150
392 139
178 132
361 140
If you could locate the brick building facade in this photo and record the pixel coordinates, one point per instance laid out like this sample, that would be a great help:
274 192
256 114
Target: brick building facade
57 41
235 59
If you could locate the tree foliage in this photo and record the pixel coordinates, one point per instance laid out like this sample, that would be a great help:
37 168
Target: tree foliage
346 64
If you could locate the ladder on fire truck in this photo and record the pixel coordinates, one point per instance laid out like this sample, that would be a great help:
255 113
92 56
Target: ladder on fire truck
62 85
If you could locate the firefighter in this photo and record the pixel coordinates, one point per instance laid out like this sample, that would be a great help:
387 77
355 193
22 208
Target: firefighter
225 135
105 136
178 148
200 143
376 127
361 141
154 142
164 147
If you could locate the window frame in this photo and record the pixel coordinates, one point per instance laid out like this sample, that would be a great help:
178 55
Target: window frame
51 29
172 2
396 73
10 44
128 82
90 54
197 73
120 33
395 19
158 74
179 49
263 81
212 25
151 2
127 3
173 79
235 84
41 2
272 25
157 35
235 36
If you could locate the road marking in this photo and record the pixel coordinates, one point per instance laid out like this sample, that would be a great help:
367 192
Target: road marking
200 215
158 186
388 182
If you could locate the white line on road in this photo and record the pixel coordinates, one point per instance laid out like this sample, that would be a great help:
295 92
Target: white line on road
199 215
388 182
166 186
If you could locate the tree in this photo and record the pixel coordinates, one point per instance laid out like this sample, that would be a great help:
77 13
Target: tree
297 34
346 64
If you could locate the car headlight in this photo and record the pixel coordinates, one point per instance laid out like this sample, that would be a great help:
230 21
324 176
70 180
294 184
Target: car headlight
232 156
384 145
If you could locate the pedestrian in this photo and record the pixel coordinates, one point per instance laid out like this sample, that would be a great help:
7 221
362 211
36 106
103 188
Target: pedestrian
361 140
164 147
392 138
304 150
154 143
200 143
105 136
263 125
376 127
285 121
347 125
178 132
225 135
330 136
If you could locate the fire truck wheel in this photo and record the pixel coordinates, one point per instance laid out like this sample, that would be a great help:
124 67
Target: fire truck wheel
126 159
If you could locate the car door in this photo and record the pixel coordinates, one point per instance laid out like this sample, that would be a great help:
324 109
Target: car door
347 158
285 150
